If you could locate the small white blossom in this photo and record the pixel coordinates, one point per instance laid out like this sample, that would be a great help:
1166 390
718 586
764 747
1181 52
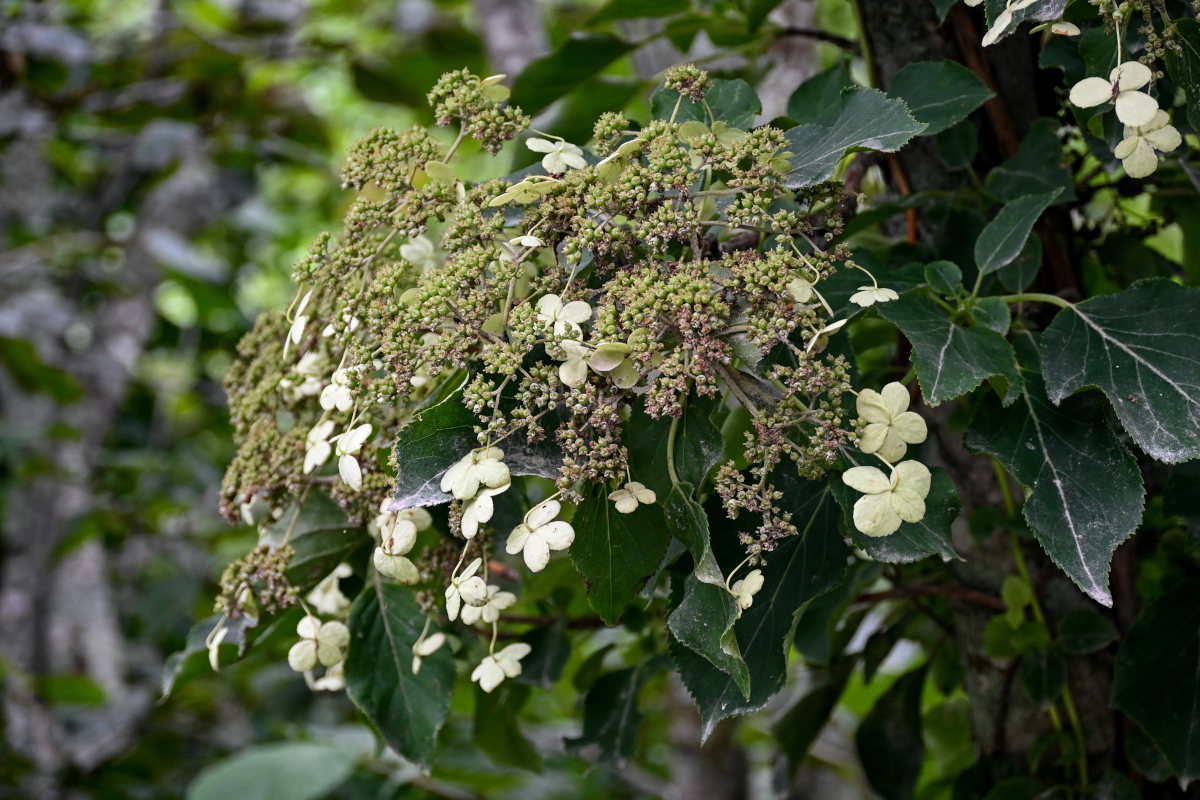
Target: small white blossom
828 329
319 448
628 497
299 322
424 648
389 557
888 501
526 240
481 467
334 679
800 290
560 156
352 323
744 590
614 358
337 394
573 370
1062 28
466 588
1136 150
321 643
539 534
492 671
1133 107
327 598
478 510
563 317
870 295
348 445
489 612
419 252
891 427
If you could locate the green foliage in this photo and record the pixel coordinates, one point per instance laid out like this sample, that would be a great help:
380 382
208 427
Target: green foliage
289 771
939 93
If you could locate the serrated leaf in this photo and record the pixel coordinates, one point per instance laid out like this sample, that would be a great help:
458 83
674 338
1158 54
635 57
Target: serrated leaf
495 730
819 97
1141 347
286 771
939 93
912 541
407 710
950 359
1085 490
889 740
611 717
1157 677
703 621
1039 10
614 552
1184 66
868 120
731 101
1004 237
550 77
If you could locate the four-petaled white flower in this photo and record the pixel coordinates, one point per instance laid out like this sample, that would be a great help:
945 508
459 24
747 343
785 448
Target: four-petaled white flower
615 359
744 590
539 534
319 448
424 648
563 317
478 510
526 240
299 322
891 427
560 156
466 588
389 557
418 251
337 394
492 671
348 445
489 612
573 370
888 501
327 598
629 496
309 369
482 467
1133 107
1136 150
870 295
321 643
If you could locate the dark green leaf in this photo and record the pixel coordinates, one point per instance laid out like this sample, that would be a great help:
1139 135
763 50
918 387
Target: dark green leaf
942 7
1017 276
1035 168
1184 66
958 145
758 10
698 446
320 537
408 710
1083 631
1002 640
1043 674
944 277
889 739
867 120
797 729
1145 756
1021 789
610 714
1085 490
819 97
1114 786
1157 678
1003 238
287 771
192 661
939 93
551 650
580 57
615 553
703 621
952 360
731 101
633 9
496 731
1141 347
992 312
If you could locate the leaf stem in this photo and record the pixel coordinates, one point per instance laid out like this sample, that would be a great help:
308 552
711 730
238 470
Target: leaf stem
671 450
1037 297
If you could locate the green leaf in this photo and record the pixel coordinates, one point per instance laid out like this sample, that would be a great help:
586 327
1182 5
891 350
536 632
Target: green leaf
944 277
803 567
610 713
496 732
1184 66
939 93
698 446
797 729
1115 786
703 621
580 57
1036 167
407 710
320 537
992 312
29 372
1043 674
1141 347
819 97
958 145
732 101
942 7
912 541
184 666
614 552
1001 241
1021 789
889 739
1040 11
867 120
1085 491
1145 756
951 360
551 650
633 9
1083 631
287 771
1157 677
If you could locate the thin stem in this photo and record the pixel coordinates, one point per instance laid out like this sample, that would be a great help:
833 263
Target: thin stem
671 451
1036 297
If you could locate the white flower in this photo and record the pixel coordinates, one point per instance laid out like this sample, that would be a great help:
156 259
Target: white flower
478 510
627 499
418 251
560 156
573 370
351 321
466 588
891 427
482 467
539 534
318 445
1133 107
424 648
389 557
1003 20
337 394
614 358
1062 28
382 526
800 290
870 295
309 370
296 333
327 598
1136 150
489 612
552 312
526 240
744 590
888 501
828 329
348 445
334 679
492 671
320 642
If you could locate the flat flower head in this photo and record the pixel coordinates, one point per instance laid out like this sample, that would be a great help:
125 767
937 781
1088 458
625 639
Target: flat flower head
890 425
630 496
539 534
870 295
563 317
888 500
